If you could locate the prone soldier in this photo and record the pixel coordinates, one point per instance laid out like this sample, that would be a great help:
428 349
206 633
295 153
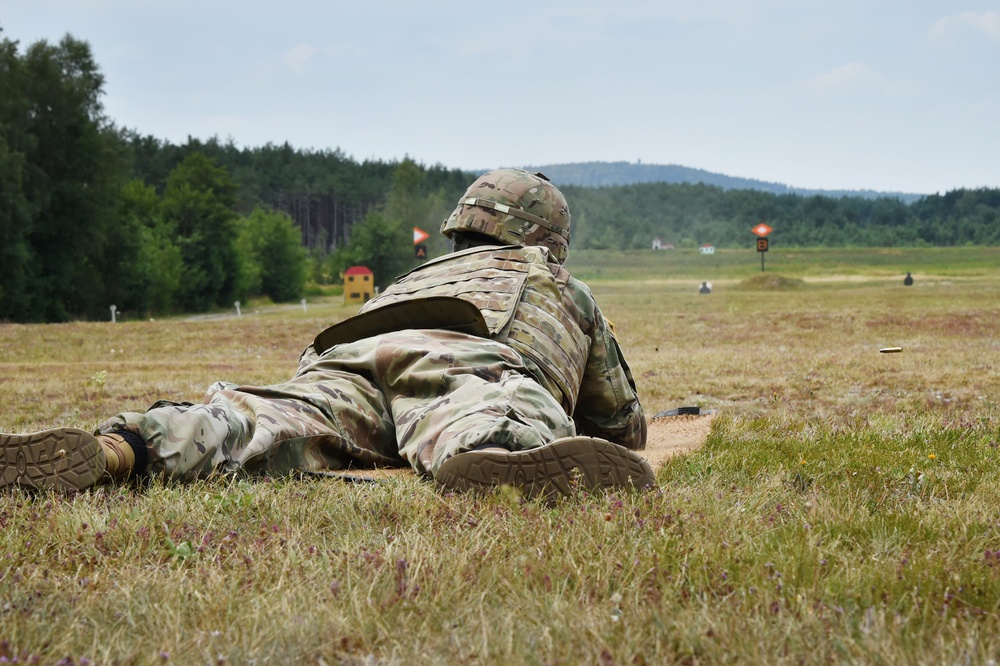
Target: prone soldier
490 365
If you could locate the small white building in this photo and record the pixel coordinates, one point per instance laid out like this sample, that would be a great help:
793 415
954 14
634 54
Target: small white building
707 249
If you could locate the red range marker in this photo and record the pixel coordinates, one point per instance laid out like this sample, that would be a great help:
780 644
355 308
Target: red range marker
762 230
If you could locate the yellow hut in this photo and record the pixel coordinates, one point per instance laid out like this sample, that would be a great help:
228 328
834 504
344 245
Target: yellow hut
359 284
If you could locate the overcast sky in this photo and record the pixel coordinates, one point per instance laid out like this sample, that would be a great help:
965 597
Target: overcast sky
849 94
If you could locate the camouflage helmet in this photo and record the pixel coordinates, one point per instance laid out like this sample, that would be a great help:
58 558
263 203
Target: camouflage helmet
515 207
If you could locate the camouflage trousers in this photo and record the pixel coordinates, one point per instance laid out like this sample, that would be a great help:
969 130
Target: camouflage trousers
411 397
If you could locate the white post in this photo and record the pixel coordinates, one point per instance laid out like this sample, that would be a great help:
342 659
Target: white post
303 305
113 310
238 313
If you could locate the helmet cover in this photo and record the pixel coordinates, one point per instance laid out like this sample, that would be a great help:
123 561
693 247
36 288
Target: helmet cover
515 207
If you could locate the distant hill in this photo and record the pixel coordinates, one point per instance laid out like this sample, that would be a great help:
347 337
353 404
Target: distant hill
598 174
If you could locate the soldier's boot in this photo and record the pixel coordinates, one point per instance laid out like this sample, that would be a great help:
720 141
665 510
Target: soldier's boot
119 454
68 460
560 467
62 459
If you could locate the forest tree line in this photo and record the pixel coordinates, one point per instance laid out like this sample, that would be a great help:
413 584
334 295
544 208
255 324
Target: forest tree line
92 214
689 215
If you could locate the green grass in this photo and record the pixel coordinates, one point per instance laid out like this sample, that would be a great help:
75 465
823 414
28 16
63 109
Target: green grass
845 509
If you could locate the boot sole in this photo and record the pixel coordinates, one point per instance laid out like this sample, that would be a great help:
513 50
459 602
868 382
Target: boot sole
559 468
66 460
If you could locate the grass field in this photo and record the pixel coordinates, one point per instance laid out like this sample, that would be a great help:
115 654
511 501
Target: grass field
845 509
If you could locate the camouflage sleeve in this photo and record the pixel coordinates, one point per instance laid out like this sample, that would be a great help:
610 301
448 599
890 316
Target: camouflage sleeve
306 358
608 405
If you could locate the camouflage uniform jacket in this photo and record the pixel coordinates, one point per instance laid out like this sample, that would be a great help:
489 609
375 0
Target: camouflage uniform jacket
531 303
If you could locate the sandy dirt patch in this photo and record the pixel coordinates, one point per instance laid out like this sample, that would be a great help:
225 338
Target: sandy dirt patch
673 435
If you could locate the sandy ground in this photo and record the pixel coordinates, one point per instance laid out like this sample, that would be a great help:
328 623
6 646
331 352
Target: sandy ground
672 435
668 436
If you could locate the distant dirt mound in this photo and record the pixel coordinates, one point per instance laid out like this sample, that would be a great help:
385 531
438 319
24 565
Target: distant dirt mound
771 282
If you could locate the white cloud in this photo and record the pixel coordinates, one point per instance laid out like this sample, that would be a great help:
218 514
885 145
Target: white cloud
960 26
852 76
300 56
297 57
